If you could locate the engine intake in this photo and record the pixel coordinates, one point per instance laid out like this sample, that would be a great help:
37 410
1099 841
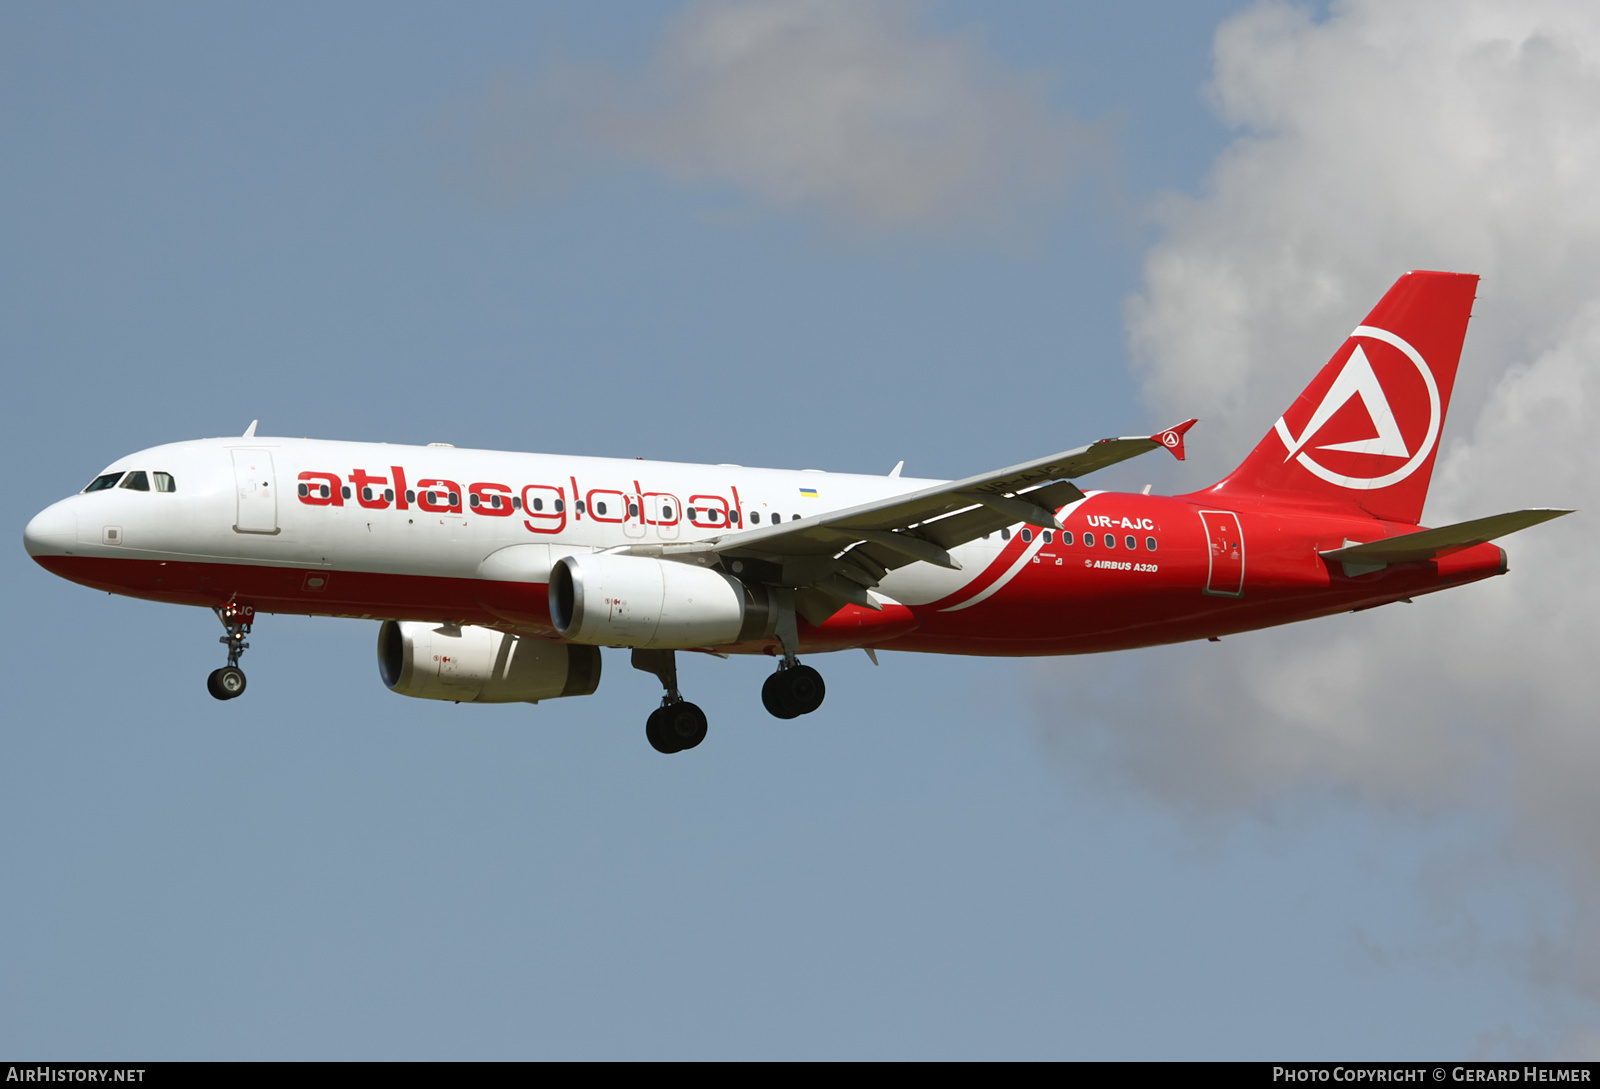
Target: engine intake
637 601
480 665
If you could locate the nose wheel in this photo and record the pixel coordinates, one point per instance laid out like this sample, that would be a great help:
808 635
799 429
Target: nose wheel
228 682
677 724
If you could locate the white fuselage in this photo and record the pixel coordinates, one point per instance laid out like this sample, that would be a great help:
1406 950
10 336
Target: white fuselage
240 501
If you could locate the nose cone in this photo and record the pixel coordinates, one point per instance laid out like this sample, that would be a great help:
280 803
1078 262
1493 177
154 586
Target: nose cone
53 531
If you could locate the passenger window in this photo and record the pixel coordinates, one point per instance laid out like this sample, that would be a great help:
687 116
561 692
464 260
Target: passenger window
794 517
1150 544
1088 540
455 497
561 505
538 504
578 505
516 503
101 483
1027 535
633 510
755 518
1111 540
165 483
411 496
1048 536
600 508
304 491
345 491
473 499
1130 542
666 512
136 481
1005 535
733 517
1066 536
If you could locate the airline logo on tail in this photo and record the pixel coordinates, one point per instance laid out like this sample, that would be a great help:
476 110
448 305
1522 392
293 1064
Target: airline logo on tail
1376 423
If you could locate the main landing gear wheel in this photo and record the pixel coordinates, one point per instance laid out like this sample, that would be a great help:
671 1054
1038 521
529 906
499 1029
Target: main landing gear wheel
226 683
793 691
675 727
677 724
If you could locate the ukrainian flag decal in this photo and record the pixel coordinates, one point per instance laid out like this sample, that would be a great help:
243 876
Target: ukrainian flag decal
808 493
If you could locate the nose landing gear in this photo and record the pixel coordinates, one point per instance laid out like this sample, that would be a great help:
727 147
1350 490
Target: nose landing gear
228 682
677 724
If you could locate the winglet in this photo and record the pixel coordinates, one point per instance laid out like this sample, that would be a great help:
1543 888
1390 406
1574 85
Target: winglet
250 432
1172 438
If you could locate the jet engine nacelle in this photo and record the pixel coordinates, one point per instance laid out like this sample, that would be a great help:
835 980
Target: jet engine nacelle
480 665
637 601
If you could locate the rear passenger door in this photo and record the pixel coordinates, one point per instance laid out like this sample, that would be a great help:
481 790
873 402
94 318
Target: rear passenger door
1226 551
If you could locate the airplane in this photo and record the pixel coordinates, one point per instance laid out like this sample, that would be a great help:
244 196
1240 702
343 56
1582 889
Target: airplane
497 577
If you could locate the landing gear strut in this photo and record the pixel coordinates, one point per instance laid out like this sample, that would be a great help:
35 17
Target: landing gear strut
795 689
228 682
677 724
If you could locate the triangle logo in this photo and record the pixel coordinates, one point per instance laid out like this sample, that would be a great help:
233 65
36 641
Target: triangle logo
1356 379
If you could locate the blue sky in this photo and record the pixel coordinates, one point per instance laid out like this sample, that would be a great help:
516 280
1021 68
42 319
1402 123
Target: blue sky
514 227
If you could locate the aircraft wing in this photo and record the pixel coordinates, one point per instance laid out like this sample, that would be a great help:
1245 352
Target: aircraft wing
843 553
1430 544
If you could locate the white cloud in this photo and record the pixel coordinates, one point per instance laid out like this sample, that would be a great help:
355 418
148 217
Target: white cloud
845 110
1448 134
848 110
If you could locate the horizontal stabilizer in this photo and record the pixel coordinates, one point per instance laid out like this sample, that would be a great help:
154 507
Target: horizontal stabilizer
1430 544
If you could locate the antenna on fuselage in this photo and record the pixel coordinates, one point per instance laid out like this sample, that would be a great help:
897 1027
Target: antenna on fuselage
897 467
250 432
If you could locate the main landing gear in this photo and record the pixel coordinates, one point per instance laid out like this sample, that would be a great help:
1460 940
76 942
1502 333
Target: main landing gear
677 724
228 682
794 690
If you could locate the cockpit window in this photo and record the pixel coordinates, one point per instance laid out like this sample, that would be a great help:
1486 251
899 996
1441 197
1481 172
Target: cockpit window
138 481
101 483
165 483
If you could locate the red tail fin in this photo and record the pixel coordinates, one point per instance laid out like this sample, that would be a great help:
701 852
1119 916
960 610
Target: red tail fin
1366 430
